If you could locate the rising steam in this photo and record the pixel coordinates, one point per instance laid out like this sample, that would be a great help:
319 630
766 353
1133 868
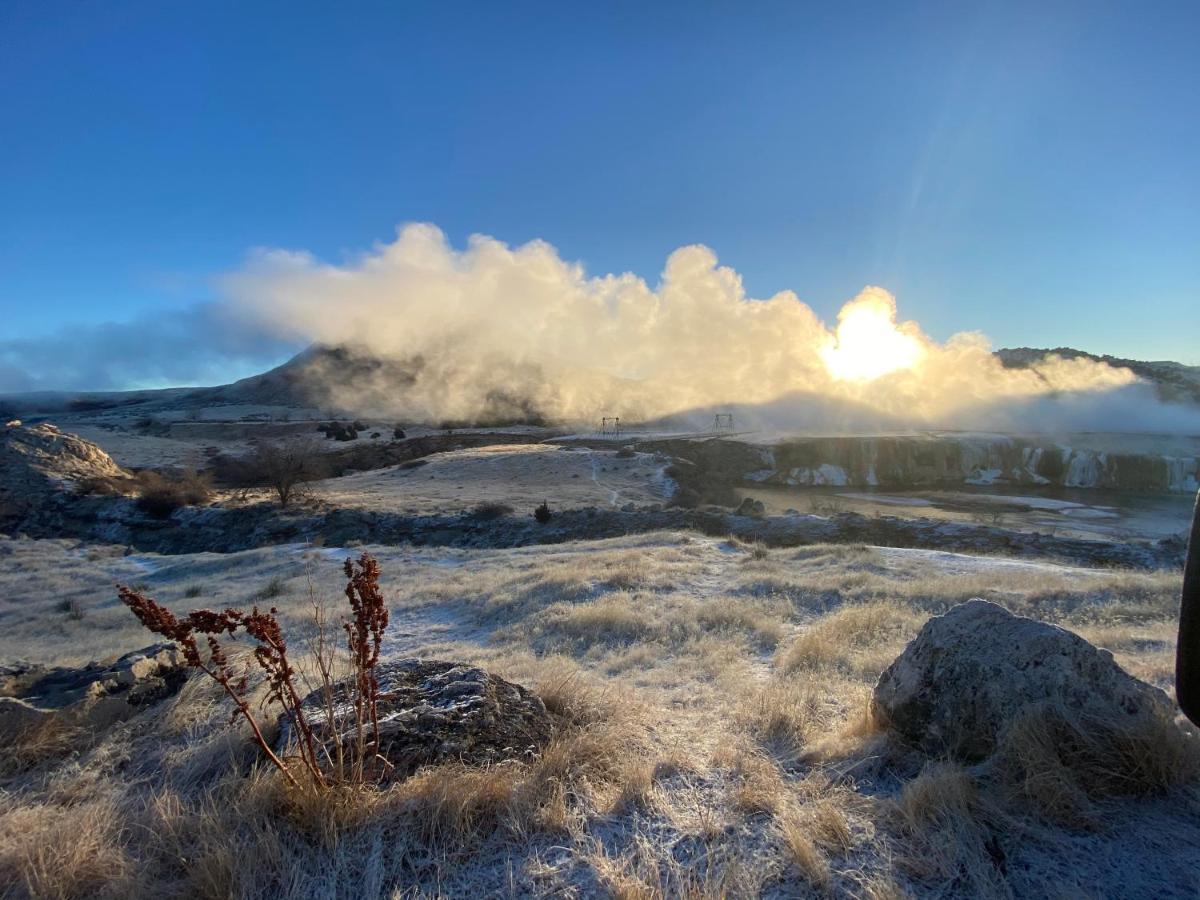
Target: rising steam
522 325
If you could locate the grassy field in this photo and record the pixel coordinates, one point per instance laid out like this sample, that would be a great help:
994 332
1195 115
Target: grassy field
714 738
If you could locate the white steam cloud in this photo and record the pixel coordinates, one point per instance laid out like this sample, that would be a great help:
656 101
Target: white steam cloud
523 324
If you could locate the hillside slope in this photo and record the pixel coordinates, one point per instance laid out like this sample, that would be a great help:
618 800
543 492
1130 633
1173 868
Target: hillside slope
1176 382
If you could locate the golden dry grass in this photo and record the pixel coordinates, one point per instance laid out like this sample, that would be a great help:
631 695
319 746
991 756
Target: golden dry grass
713 741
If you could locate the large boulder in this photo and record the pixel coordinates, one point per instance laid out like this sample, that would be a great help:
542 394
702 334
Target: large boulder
972 672
39 462
95 695
432 711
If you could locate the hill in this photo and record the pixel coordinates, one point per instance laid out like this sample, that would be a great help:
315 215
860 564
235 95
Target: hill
1175 382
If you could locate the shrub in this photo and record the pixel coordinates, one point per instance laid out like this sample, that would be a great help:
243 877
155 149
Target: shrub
161 494
489 511
543 513
284 467
100 486
351 762
341 432
398 433
276 587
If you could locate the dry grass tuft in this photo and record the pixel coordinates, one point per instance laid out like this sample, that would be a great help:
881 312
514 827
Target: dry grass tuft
802 851
46 740
948 827
756 784
65 851
858 640
785 716
1058 763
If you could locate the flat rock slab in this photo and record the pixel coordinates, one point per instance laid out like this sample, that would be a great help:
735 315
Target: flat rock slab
971 672
433 711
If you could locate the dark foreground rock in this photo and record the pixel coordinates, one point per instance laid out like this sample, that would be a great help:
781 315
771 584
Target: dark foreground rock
968 675
95 695
432 711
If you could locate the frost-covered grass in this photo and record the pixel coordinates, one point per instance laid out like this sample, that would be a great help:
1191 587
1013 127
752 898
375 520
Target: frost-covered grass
717 741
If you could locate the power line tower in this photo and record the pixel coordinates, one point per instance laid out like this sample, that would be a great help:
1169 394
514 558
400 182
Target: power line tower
723 422
610 426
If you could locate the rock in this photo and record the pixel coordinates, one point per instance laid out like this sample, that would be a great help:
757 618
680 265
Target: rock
751 507
431 711
95 695
969 673
40 465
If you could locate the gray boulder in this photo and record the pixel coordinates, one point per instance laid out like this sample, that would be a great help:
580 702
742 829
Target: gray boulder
432 711
971 672
95 695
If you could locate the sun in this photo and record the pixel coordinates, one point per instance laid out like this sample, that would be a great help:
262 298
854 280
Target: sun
868 342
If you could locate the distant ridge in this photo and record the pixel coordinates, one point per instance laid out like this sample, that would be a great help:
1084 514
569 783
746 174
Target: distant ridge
354 379
1175 382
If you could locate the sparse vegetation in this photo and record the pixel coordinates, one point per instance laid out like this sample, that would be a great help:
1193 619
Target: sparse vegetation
706 698
492 510
351 762
283 466
274 588
160 494
72 607
102 486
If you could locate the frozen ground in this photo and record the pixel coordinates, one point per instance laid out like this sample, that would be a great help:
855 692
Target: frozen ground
724 749
736 679
520 476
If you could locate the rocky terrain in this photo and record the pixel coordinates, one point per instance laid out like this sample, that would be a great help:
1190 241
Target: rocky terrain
610 669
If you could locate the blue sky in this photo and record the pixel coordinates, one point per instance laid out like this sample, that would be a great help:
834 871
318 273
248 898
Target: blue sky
1025 169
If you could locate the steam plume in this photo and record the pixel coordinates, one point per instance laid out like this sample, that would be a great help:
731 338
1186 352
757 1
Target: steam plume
493 320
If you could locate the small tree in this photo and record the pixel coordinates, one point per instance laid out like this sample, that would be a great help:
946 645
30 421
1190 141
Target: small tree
286 467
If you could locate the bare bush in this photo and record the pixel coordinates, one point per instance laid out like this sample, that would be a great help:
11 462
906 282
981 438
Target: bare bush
101 486
285 467
160 494
353 764
491 510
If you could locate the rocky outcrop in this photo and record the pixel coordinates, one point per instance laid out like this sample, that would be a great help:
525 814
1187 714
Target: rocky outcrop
432 711
38 463
969 674
95 695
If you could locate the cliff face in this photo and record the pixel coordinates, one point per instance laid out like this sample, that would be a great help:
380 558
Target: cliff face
943 460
